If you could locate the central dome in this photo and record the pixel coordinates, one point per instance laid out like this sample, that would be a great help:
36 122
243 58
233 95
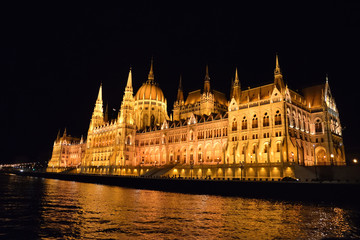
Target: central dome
150 91
150 104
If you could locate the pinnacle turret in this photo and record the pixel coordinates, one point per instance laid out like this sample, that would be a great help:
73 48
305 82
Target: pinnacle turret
151 72
180 93
277 66
278 77
97 118
236 87
127 105
129 87
207 80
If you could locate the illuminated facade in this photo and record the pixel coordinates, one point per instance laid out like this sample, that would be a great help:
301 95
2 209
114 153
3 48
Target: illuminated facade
259 131
67 152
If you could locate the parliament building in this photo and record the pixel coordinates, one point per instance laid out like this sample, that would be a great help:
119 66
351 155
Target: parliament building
260 132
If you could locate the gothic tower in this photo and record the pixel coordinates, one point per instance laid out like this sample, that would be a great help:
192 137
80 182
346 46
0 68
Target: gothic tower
126 127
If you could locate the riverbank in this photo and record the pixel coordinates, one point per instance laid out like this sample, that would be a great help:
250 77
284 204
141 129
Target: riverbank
298 191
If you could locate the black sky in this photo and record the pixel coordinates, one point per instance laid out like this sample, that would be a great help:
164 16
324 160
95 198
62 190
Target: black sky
54 58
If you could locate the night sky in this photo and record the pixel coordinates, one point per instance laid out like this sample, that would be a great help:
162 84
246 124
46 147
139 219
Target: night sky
54 58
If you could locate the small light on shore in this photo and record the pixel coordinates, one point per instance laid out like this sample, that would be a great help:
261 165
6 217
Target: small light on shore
355 160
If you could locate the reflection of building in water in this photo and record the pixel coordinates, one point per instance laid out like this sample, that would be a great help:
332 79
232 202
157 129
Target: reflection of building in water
259 132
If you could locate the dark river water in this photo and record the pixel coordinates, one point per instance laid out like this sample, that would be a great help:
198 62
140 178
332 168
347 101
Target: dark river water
36 208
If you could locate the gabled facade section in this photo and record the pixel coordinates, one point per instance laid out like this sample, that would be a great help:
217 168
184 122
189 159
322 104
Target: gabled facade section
67 152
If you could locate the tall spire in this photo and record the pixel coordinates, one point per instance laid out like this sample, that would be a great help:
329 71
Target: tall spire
207 80
278 77
127 105
236 82
129 87
236 87
180 94
151 72
99 103
97 118
277 66
100 93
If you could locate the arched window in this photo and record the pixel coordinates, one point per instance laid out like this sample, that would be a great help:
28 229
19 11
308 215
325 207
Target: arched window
288 117
302 122
277 147
145 120
266 148
266 121
152 121
255 122
234 125
128 140
244 124
318 126
200 155
277 118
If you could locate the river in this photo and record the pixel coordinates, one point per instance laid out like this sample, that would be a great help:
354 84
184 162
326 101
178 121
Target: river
37 208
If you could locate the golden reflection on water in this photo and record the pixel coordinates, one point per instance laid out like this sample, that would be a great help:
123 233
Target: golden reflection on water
80 210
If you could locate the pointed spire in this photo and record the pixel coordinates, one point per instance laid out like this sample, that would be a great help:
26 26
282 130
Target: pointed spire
129 87
236 76
99 101
64 135
278 77
180 94
151 72
127 105
277 66
236 88
207 80
97 118
100 93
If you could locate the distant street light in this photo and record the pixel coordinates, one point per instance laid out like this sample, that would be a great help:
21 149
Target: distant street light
355 160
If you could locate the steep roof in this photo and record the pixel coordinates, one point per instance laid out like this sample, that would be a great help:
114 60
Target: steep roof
195 96
264 92
313 95
220 98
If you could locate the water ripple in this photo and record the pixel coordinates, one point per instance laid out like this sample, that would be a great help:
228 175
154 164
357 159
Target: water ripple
69 210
